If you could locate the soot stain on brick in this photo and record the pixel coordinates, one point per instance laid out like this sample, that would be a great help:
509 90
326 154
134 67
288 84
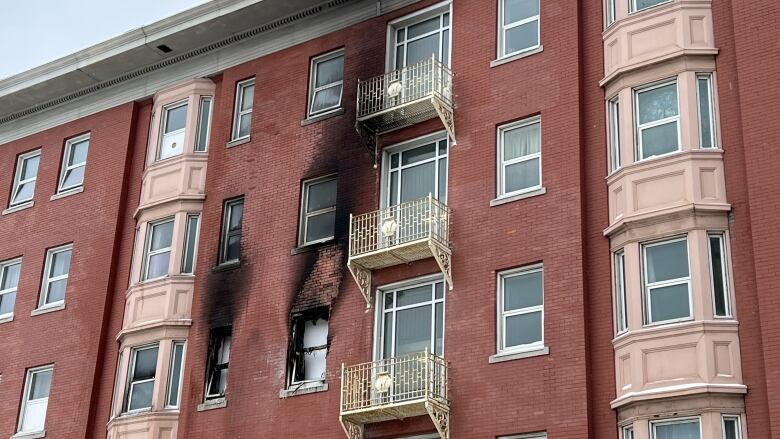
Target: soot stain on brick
224 293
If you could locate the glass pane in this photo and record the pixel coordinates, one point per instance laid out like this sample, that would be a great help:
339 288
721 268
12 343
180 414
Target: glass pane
423 48
393 188
223 356
414 295
320 226
175 119
329 71
658 103
522 37
176 363
523 291
516 10
705 112
219 382
233 251
419 154
718 281
145 364
413 332
30 167
522 175
158 265
7 302
642 4
730 429
247 95
203 125
25 192
191 245
445 48
11 276
400 36
73 177
686 430
424 27
57 290
522 141
418 181
438 347
523 329
387 348
667 261
41 384
141 396
439 290
667 303
78 152
314 365
443 180
326 98
661 139
236 216
34 416
399 57
162 235
389 300
60 263
321 195
244 124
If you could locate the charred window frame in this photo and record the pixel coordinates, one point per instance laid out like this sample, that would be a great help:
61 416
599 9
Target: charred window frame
218 361
308 351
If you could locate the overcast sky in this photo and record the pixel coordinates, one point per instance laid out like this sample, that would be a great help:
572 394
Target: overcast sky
33 32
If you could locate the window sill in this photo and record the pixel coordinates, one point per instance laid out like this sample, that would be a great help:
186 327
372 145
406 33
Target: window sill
67 193
6 319
226 266
212 404
19 207
510 198
48 308
237 142
509 356
521 55
303 389
32 435
321 117
310 247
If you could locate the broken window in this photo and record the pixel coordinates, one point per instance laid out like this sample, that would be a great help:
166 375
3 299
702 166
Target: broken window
219 357
308 347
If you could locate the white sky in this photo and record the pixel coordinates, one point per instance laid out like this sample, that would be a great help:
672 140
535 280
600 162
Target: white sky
34 32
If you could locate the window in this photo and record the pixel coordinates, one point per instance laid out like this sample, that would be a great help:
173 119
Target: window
174 120
519 26
175 375
422 39
732 428
719 274
620 291
628 432
610 12
318 210
706 110
219 357
658 120
35 400
190 244
614 134
676 429
309 348
667 281
242 116
640 5
140 383
326 83
74 162
520 157
24 180
9 281
416 170
230 246
521 309
115 398
55 276
158 249
204 124
411 320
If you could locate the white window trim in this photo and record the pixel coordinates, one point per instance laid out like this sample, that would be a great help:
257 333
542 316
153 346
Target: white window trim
61 188
186 247
736 418
18 182
226 234
619 285
613 137
4 265
203 100
117 377
647 286
724 272
148 253
502 315
627 432
313 90
638 128
634 10
237 113
304 216
501 164
410 20
686 420
131 383
711 100
385 189
163 125
610 13
168 405
503 28
46 281
25 396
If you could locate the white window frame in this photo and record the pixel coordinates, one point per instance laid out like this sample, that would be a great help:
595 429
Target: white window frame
721 236
610 13
501 347
46 281
168 389
407 21
4 266
226 233
67 167
619 282
148 253
186 248
503 28
130 383
26 395
237 113
116 394
654 424
736 418
18 182
386 190
634 9
501 184
313 89
200 127
708 77
613 114
163 125
638 128
304 216
627 432
647 286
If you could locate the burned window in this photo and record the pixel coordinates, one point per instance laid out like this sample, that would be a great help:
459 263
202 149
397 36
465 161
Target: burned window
308 347
219 357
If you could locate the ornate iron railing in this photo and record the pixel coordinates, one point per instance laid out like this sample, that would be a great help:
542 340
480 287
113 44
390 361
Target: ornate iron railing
423 218
417 377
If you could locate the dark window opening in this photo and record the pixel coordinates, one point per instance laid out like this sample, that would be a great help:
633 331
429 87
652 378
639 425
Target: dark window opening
308 347
219 358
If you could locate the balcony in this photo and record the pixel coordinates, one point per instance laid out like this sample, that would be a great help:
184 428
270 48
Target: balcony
405 97
395 388
400 234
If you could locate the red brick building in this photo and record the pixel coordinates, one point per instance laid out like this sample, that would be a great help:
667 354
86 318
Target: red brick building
552 221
